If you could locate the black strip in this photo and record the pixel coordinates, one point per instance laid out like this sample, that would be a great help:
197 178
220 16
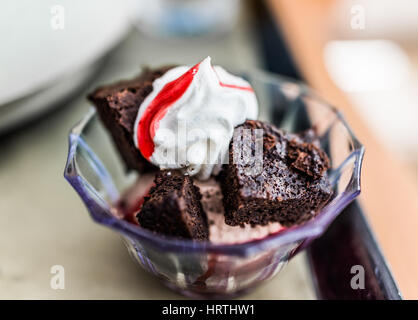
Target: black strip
170 309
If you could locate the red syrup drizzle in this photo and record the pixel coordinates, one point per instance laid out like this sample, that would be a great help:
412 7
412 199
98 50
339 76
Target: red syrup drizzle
130 206
129 213
217 268
157 109
233 86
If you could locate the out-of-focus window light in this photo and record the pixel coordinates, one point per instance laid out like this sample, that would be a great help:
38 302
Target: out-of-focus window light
366 65
380 81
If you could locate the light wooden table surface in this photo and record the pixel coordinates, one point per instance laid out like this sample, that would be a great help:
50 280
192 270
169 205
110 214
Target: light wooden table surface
44 223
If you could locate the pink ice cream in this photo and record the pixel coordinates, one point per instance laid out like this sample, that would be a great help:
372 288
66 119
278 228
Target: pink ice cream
219 231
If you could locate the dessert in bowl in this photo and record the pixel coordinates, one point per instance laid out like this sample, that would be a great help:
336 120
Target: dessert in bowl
254 171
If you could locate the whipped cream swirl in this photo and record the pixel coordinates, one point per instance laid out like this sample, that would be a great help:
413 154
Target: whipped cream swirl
188 119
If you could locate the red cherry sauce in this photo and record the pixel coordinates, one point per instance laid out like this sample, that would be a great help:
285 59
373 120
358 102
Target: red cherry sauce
148 124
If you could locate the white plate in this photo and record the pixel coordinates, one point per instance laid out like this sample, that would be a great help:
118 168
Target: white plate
44 42
32 106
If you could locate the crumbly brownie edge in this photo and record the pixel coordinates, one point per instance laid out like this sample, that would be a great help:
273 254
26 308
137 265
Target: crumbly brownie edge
173 208
194 215
117 106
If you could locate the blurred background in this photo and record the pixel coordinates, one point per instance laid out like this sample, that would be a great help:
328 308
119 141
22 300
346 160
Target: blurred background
361 55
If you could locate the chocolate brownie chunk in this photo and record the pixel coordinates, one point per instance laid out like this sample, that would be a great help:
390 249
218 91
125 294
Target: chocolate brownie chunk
306 155
173 207
287 182
117 106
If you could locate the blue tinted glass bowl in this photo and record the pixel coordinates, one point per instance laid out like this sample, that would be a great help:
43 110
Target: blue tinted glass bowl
203 269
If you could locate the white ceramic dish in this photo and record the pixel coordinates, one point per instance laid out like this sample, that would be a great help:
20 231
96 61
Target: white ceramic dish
49 48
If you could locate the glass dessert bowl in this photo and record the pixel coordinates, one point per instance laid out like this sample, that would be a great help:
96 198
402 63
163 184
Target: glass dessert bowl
202 268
